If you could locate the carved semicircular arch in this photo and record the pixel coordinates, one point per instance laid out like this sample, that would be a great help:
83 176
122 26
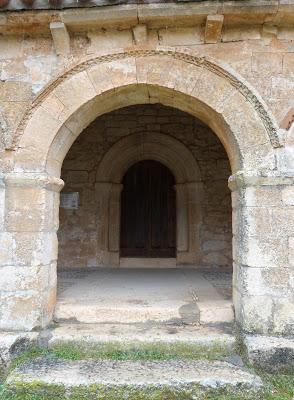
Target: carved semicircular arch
148 146
195 84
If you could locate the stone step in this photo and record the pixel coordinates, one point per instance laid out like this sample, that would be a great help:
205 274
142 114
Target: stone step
110 379
94 334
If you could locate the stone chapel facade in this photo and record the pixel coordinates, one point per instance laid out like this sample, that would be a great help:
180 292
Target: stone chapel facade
204 88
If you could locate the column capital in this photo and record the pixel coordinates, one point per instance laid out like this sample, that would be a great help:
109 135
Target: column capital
243 179
33 180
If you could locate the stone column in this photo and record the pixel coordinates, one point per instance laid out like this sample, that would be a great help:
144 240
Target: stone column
263 236
114 223
29 250
195 196
189 196
102 194
182 218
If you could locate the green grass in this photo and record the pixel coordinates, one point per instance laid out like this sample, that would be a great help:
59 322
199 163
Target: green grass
277 387
126 351
141 351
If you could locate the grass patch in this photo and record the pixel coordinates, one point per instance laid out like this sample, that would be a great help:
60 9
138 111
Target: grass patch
134 351
277 387
99 392
141 351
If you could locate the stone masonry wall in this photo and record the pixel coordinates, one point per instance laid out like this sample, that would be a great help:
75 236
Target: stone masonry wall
28 62
78 228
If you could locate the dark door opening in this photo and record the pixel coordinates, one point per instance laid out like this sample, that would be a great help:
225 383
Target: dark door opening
148 211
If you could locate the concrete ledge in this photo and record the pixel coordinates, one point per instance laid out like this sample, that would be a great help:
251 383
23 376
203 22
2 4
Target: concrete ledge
273 354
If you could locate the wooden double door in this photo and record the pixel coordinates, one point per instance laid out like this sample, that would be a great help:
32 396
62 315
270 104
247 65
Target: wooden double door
148 211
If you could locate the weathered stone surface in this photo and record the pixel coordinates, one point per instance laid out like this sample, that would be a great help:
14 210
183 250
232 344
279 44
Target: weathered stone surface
60 37
134 374
93 335
138 295
273 354
12 345
255 45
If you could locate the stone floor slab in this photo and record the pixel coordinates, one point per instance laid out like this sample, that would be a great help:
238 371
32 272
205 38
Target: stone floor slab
140 295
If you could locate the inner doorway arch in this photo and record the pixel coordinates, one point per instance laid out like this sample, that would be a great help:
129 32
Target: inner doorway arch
175 156
148 211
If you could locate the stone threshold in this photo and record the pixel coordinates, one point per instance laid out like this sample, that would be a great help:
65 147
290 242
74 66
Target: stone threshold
133 262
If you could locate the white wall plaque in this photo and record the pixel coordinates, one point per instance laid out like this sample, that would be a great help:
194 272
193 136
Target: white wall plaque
69 200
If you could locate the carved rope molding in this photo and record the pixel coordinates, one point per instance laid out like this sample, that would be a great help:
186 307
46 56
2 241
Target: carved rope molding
186 56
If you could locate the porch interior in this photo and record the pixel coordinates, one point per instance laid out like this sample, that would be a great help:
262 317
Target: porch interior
167 296
145 231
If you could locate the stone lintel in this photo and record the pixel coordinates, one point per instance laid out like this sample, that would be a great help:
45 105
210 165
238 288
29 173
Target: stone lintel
213 28
34 180
242 179
60 38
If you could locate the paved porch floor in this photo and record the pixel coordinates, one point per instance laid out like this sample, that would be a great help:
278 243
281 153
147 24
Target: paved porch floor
171 296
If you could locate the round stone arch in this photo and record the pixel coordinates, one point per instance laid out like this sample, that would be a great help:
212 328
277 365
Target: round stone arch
202 87
195 84
180 161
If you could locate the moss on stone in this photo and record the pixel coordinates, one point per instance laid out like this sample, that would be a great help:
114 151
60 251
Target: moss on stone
141 351
39 391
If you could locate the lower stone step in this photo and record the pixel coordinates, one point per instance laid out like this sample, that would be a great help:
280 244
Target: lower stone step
108 379
89 335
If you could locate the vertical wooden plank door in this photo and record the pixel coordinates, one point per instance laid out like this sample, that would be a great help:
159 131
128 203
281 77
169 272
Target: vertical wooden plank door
148 211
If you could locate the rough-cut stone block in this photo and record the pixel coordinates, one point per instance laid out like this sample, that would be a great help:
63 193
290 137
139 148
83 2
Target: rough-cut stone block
283 315
60 37
6 248
74 92
265 195
110 40
269 222
180 37
15 91
261 250
253 313
127 376
291 251
273 354
15 278
216 93
282 86
140 34
288 196
14 344
29 209
2 203
21 311
213 28
263 281
267 64
288 64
